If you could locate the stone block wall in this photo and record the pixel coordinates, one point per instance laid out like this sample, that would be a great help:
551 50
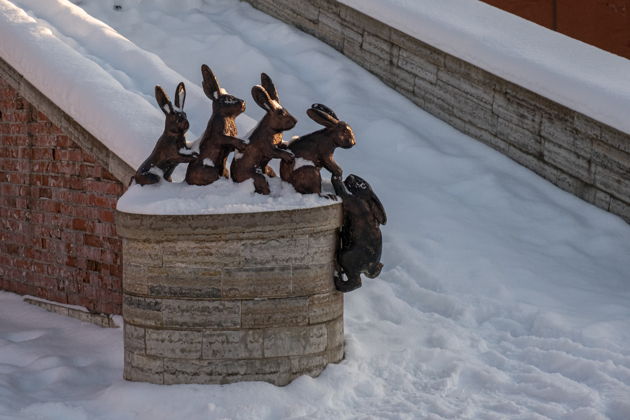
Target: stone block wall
231 297
575 152
57 200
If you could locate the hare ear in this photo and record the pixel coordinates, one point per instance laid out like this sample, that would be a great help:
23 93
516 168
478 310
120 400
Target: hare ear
210 83
261 97
162 99
180 95
321 117
324 108
377 208
269 86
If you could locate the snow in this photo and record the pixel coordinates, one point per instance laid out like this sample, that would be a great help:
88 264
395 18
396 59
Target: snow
222 196
572 73
501 296
187 151
299 162
100 78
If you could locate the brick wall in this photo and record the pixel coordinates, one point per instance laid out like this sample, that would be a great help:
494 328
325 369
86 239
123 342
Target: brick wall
57 232
573 151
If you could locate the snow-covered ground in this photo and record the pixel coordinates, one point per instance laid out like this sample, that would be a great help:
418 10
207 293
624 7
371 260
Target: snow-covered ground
501 297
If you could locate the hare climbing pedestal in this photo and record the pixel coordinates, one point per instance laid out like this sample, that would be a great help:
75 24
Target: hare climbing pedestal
225 298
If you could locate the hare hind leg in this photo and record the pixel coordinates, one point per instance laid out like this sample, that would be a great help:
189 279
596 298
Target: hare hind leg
349 263
307 180
201 174
261 185
286 170
374 270
146 178
353 282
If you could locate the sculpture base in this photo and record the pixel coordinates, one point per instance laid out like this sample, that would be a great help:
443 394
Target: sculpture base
230 297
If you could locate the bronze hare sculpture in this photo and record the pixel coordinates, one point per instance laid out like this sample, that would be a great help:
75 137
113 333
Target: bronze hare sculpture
264 140
170 149
361 240
315 150
219 139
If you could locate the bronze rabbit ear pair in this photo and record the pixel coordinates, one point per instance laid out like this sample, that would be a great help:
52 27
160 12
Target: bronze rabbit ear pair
315 150
361 240
219 139
170 149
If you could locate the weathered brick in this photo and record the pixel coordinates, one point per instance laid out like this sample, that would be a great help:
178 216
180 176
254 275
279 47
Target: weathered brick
48 202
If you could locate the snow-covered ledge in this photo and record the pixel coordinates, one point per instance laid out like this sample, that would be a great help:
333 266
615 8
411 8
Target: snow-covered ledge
553 104
241 291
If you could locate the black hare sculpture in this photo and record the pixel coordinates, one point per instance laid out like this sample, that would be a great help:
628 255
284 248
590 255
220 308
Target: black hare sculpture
170 149
361 240
315 150
219 139
264 140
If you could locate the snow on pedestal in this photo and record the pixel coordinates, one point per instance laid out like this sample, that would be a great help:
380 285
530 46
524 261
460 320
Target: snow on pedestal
229 297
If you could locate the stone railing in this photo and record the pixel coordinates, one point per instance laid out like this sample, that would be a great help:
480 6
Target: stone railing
580 155
231 297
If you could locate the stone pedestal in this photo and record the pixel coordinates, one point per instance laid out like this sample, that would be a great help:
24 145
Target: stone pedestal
230 297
